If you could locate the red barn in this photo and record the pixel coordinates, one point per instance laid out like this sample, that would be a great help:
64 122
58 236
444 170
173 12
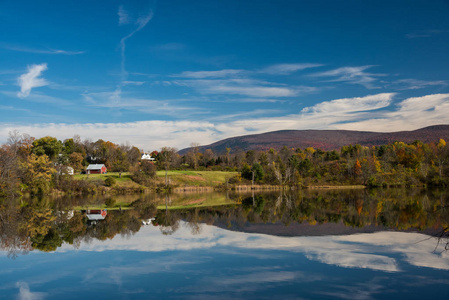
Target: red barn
96 169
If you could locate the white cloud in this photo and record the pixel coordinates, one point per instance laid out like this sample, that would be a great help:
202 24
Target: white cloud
414 84
370 113
40 51
351 251
244 82
210 74
31 79
174 107
255 100
257 112
253 91
353 75
151 135
40 98
245 87
412 113
347 105
285 69
26 294
129 82
280 69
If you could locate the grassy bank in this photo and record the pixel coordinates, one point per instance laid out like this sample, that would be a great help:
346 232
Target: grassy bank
187 181
195 178
176 178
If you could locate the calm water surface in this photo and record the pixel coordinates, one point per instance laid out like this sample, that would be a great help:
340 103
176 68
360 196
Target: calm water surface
309 245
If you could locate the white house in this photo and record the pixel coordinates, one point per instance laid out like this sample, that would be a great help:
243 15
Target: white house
147 156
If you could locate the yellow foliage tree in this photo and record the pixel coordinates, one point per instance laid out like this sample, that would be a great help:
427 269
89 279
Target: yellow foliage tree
37 172
357 168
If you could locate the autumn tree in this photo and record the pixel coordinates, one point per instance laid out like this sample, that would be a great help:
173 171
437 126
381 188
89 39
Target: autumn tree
166 157
76 161
37 172
49 146
442 156
9 182
133 155
192 155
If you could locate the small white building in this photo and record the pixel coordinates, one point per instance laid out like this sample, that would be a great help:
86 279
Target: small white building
147 156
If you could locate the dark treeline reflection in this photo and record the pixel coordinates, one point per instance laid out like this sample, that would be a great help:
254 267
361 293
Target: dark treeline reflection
45 223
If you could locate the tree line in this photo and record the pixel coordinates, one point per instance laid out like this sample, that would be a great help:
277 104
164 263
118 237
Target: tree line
45 224
37 166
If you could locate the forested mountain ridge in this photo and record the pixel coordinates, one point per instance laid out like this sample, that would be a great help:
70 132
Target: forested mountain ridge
324 139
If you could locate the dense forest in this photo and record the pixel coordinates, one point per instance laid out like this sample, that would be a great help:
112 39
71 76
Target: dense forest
37 166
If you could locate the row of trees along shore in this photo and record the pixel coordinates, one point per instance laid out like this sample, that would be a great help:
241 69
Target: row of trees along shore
41 225
29 165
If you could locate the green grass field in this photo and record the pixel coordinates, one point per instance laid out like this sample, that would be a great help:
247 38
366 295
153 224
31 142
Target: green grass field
126 176
177 178
196 178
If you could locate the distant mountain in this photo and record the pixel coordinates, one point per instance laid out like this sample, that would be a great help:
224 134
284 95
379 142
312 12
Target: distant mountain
324 139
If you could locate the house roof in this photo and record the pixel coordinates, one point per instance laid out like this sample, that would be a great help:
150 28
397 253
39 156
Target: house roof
95 215
95 166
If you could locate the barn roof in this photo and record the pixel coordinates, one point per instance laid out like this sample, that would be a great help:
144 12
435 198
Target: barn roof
95 166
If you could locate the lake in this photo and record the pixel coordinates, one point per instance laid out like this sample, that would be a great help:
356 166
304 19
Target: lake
348 244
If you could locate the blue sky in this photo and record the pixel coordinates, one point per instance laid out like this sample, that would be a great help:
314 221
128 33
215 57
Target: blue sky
169 73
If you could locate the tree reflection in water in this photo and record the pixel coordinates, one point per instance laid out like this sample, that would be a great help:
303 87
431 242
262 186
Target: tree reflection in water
45 224
168 222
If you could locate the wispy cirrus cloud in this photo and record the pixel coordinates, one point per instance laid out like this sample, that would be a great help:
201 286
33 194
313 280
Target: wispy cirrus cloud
40 98
254 113
245 87
285 69
140 23
211 74
251 91
348 105
130 82
31 79
352 75
255 100
245 82
40 51
173 108
124 18
280 69
414 84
